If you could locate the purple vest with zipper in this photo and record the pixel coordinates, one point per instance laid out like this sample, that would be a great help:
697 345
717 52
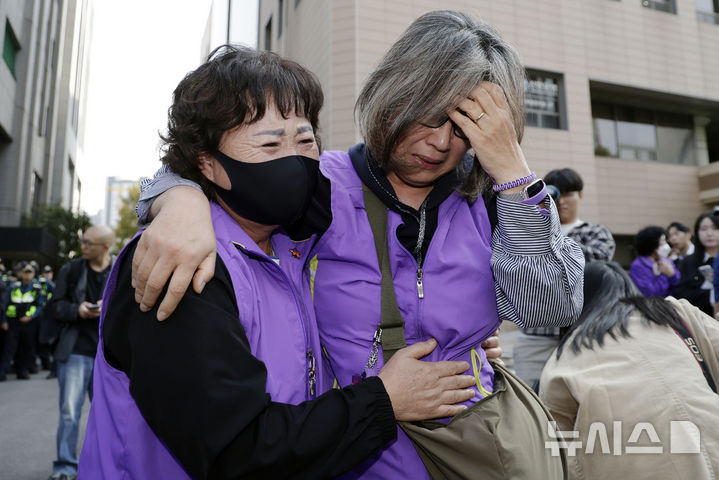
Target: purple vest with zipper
458 308
275 310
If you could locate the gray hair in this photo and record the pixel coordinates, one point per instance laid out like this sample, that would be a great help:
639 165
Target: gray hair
435 64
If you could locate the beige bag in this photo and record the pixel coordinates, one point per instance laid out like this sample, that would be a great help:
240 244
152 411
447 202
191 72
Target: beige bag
500 437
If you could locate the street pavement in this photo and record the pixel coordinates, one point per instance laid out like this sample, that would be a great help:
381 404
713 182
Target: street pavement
28 421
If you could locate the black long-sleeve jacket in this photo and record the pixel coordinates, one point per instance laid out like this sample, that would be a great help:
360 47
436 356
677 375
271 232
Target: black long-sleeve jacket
202 392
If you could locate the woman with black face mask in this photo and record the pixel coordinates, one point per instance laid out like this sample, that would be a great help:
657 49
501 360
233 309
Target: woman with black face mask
472 237
229 387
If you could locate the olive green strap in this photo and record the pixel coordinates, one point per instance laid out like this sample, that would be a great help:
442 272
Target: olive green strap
392 323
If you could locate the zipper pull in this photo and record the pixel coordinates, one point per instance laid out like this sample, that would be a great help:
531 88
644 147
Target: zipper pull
420 286
376 341
311 371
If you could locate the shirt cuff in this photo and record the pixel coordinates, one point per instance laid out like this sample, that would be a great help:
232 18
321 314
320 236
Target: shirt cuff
163 180
525 231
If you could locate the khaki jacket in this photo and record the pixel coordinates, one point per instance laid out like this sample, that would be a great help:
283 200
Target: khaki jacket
650 377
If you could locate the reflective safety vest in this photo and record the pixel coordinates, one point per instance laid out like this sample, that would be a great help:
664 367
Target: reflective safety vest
24 303
47 289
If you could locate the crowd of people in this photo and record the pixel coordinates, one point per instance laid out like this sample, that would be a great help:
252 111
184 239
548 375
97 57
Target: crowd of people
54 325
25 341
340 299
673 262
644 351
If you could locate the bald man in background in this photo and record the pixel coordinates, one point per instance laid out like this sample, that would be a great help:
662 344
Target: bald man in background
77 304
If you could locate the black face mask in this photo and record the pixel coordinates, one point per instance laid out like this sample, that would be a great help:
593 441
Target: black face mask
277 192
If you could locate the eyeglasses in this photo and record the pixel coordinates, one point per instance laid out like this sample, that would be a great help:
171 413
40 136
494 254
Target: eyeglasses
88 243
436 123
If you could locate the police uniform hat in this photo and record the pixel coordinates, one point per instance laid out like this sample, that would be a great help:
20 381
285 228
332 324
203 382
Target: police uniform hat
25 267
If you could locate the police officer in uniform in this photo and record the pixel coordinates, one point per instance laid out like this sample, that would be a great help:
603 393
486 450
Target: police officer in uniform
3 305
24 304
47 331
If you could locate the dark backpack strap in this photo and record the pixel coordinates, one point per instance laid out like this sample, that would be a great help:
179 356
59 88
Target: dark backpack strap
392 324
73 275
686 335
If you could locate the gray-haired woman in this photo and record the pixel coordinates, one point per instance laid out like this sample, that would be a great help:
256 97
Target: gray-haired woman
460 263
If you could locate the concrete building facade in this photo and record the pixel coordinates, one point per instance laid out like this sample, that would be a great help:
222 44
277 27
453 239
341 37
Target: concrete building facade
624 91
43 84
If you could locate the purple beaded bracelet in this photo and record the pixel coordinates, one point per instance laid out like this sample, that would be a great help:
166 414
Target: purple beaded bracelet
514 183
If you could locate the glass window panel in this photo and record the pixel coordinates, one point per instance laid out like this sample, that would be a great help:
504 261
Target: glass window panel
706 6
281 18
646 154
532 119
676 145
661 5
550 121
605 138
627 154
542 101
268 35
637 135
542 93
10 48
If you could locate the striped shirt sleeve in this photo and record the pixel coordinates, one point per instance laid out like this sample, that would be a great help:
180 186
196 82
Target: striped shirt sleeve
538 272
151 188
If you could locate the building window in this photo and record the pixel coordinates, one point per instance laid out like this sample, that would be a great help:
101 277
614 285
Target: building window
708 11
69 183
10 48
268 35
35 190
281 18
544 100
668 6
633 133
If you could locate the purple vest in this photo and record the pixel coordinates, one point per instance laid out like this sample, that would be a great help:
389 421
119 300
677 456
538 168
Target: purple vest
273 305
458 309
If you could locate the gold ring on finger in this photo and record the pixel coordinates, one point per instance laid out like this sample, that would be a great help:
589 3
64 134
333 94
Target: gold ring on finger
476 120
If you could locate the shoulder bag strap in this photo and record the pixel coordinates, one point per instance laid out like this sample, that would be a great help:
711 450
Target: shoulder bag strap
686 335
391 327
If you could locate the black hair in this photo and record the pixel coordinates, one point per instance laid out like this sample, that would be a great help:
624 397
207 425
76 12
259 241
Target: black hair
235 86
699 248
647 240
565 179
610 297
679 226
